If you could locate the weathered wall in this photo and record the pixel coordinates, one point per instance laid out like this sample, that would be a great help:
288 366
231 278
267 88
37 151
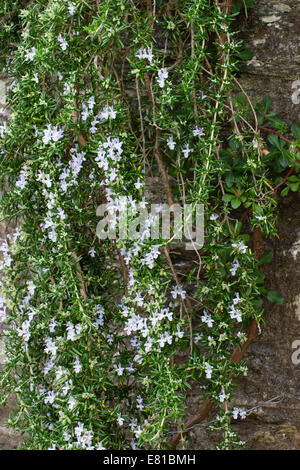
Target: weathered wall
272 32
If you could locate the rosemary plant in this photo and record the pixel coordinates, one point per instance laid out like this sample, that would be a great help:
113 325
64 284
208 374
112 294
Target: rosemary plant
104 95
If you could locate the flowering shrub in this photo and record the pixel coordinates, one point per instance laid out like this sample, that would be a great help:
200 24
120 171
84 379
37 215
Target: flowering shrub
102 95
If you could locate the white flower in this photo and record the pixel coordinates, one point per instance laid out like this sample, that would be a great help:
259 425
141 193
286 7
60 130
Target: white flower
21 182
179 333
48 366
148 345
52 134
63 42
138 431
30 54
162 76
150 257
139 299
208 371
57 134
52 235
66 387
79 429
222 396
138 184
47 135
171 143
50 397
77 366
92 252
198 131
130 368
119 369
71 335
168 338
85 112
261 217
67 436
240 247
234 268
207 319
161 341
214 217
50 347
165 313
145 54
239 411
236 299
3 129
61 213
140 405
235 313
24 330
91 103
120 419
100 446
71 403
186 151
178 291
106 113
71 8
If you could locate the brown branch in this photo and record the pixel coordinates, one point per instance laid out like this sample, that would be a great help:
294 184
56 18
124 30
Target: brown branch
236 358
162 169
79 275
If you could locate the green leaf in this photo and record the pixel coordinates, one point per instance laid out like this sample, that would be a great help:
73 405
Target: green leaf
266 258
257 304
294 187
235 202
229 179
273 139
227 197
267 103
285 191
295 128
246 54
274 297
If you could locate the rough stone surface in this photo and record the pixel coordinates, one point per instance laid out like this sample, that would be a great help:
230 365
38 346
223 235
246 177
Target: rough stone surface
272 372
272 32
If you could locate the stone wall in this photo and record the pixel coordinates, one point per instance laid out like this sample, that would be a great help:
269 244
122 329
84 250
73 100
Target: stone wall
272 32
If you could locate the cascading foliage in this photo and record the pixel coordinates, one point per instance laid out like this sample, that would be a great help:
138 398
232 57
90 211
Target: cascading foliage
103 96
